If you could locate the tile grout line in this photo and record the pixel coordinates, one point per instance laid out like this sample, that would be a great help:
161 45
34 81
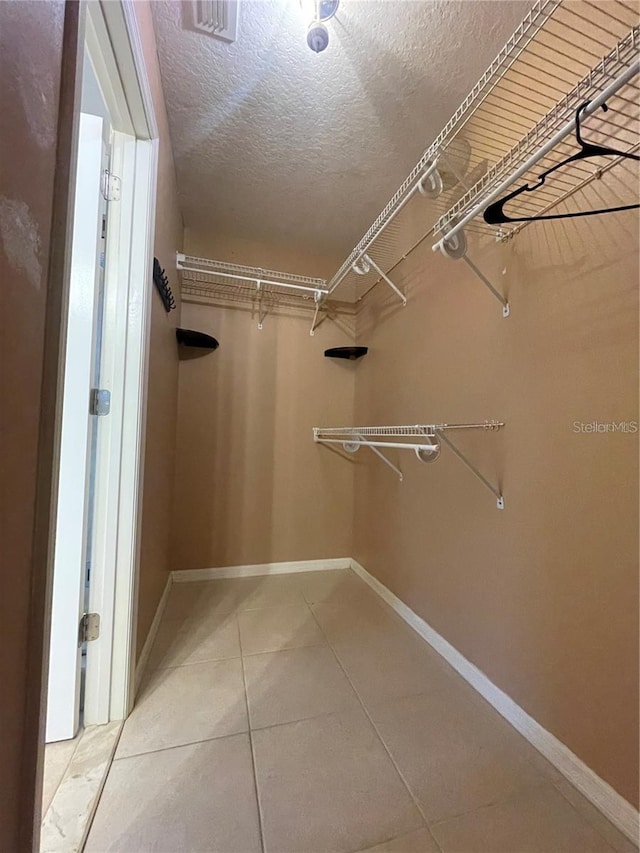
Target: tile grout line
253 757
179 745
384 746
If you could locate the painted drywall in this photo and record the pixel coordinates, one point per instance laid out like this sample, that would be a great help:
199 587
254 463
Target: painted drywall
251 485
543 596
162 396
31 51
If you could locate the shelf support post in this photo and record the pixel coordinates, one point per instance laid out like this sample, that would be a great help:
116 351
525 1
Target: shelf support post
473 469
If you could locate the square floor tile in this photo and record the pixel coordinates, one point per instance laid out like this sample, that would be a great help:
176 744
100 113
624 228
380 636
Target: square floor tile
295 684
540 821
187 799
183 641
393 665
360 619
276 628
327 785
455 753
186 704
420 841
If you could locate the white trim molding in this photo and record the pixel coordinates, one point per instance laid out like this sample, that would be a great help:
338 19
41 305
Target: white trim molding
620 812
183 575
141 665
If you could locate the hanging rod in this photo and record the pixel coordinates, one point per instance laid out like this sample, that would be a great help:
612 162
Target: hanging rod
625 77
352 438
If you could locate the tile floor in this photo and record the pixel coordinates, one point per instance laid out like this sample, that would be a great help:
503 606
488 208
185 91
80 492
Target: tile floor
299 713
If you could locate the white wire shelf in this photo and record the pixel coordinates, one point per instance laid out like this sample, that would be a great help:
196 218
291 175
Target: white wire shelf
426 445
264 289
413 430
564 53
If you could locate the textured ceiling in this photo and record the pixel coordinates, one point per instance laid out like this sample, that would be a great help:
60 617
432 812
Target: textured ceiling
273 142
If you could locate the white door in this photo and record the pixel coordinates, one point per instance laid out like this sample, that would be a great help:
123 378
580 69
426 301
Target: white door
72 522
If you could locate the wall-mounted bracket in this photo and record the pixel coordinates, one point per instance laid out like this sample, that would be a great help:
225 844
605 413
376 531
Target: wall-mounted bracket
501 299
262 311
364 266
381 455
454 247
499 497
317 298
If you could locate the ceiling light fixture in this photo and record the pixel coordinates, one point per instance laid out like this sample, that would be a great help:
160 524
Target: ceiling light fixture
317 12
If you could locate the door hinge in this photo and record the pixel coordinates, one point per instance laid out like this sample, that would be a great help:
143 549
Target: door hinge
89 628
99 401
111 186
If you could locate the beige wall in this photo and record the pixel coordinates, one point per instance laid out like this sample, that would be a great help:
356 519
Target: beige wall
543 596
163 364
35 153
251 486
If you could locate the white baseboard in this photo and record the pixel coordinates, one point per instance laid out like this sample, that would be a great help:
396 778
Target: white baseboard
151 636
620 812
182 575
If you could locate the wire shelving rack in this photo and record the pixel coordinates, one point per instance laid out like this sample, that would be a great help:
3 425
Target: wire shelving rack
263 289
424 439
563 54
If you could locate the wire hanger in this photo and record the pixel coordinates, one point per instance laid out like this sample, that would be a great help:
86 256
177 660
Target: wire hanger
495 215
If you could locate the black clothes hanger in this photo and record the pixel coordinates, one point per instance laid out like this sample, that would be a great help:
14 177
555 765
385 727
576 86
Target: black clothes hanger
495 215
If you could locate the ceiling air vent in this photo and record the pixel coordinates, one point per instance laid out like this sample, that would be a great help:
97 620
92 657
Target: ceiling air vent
218 18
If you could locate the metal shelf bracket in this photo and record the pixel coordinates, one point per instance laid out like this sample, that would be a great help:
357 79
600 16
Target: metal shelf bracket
381 455
498 495
364 266
317 297
454 247
262 312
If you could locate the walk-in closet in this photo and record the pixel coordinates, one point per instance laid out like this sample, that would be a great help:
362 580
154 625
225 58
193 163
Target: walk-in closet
387 594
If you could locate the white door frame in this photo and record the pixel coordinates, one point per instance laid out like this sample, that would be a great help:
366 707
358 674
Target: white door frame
75 440
115 48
